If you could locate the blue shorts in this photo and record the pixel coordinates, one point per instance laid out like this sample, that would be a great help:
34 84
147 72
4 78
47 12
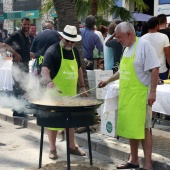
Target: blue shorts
163 76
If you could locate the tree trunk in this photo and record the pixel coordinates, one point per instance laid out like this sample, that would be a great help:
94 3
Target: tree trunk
66 12
94 7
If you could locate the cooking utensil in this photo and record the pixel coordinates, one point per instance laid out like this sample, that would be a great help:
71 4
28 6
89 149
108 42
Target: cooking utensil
84 92
49 114
65 117
54 105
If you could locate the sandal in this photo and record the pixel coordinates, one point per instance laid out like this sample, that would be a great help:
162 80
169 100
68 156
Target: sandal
77 151
53 154
126 165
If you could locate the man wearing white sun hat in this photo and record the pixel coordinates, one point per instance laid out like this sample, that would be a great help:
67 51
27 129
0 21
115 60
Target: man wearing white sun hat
61 69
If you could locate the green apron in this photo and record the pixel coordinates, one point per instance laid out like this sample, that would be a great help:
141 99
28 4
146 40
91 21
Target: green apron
66 78
132 100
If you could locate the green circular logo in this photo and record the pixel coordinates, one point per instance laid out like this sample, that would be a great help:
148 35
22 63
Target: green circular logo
109 127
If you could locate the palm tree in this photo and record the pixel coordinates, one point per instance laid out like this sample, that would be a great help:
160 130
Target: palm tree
100 8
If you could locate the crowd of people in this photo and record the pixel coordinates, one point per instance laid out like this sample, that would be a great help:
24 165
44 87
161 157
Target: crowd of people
58 55
95 47
136 57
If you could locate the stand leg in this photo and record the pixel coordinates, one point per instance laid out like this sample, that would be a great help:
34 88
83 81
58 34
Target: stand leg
154 120
89 144
68 142
41 146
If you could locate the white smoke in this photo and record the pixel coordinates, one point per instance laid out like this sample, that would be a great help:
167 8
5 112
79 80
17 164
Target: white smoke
19 105
31 85
28 82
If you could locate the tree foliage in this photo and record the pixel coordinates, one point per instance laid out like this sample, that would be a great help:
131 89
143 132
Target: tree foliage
101 8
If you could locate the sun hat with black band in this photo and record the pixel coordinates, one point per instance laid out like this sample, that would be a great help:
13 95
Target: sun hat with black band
70 33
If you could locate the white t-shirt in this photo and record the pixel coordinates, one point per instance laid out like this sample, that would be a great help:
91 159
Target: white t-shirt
99 35
146 59
158 41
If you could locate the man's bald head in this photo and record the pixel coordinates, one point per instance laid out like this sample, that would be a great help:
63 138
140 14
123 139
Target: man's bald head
48 25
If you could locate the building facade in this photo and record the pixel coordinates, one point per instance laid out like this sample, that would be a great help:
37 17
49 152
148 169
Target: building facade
11 12
162 7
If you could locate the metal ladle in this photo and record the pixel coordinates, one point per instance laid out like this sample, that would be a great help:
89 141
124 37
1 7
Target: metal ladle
84 92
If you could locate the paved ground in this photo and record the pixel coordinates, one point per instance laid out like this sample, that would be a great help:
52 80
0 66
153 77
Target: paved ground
102 144
19 149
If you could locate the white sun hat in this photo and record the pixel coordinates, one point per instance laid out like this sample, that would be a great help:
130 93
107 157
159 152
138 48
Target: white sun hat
70 33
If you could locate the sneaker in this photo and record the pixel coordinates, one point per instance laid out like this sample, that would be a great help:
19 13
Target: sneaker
77 151
19 115
53 154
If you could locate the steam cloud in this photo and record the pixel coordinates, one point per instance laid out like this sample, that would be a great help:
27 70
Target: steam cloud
31 85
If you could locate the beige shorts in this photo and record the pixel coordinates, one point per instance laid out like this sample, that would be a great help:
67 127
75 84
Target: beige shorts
148 121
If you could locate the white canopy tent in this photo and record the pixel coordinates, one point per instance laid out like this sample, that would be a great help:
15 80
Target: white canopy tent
140 16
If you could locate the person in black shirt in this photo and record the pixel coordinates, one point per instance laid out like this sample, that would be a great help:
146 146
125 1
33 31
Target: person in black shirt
162 25
61 70
19 41
53 58
41 43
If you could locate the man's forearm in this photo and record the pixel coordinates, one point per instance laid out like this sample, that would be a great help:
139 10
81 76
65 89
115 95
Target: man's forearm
80 78
114 77
110 38
45 73
8 48
154 78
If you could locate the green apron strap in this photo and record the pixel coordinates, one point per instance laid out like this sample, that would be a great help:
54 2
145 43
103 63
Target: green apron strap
40 59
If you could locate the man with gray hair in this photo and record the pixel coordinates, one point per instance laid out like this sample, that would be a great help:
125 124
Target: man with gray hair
138 74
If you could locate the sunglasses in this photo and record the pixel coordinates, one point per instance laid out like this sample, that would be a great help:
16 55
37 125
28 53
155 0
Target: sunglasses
69 41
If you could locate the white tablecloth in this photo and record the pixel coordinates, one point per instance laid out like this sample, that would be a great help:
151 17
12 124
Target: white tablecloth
162 104
6 80
109 114
111 96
